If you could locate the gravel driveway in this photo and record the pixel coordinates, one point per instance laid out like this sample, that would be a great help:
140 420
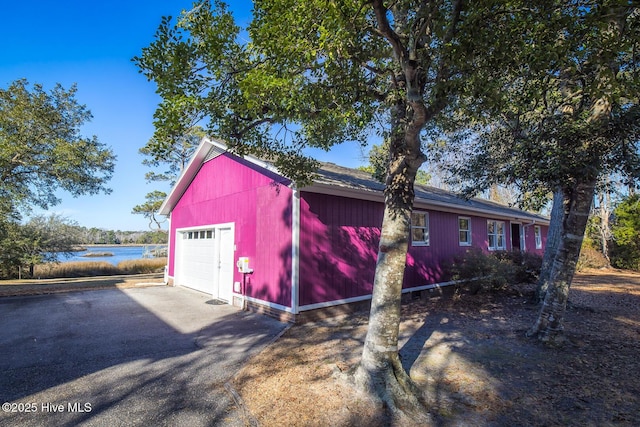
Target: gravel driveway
140 356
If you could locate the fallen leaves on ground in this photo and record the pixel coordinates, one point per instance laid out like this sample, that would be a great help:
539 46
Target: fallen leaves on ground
471 357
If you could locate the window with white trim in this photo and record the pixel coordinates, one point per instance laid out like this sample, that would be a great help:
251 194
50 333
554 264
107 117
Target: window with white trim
496 235
419 228
538 234
464 231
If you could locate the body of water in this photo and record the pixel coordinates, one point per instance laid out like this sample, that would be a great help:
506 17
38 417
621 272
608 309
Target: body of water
120 253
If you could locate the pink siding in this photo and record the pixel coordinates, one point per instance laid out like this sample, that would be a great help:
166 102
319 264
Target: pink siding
338 236
228 189
338 247
339 241
430 264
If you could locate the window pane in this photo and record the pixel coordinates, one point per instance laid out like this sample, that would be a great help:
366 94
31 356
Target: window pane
492 241
209 234
418 219
417 235
463 236
202 234
500 227
464 223
491 227
500 241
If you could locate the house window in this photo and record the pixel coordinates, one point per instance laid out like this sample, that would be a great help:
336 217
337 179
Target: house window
464 231
419 229
496 235
538 234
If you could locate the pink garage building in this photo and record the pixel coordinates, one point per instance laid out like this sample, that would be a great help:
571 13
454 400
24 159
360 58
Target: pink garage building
243 233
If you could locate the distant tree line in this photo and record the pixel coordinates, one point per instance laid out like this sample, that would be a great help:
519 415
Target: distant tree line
43 239
101 236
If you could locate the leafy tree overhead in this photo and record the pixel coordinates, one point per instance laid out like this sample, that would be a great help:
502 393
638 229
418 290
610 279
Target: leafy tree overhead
572 118
42 149
319 73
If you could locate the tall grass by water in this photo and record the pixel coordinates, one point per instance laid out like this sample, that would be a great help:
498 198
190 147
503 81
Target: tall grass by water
99 268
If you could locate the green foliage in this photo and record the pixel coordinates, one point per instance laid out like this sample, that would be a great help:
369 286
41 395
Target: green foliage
495 271
625 252
379 164
150 208
42 150
571 111
316 73
40 240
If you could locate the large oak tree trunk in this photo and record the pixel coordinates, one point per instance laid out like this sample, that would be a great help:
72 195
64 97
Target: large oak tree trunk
380 373
551 247
577 205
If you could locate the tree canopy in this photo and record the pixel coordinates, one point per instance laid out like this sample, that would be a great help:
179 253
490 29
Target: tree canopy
571 116
42 149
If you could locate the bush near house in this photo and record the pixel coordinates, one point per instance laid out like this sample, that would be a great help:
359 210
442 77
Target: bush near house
495 271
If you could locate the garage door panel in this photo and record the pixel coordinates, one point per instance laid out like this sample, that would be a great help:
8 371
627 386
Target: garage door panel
206 264
196 267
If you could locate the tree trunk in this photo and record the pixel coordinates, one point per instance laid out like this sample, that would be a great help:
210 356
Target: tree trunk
577 205
604 228
380 373
551 247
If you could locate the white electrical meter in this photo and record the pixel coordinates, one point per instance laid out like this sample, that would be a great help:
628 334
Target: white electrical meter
243 265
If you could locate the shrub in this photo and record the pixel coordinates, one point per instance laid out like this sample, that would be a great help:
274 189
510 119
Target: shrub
98 268
495 271
142 266
591 258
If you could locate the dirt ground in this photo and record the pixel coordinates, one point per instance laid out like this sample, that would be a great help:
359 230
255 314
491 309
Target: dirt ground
471 357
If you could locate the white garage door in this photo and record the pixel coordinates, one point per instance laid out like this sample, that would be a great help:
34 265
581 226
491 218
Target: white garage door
204 260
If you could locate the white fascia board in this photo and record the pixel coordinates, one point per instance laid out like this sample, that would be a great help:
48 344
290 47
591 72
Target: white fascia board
186 177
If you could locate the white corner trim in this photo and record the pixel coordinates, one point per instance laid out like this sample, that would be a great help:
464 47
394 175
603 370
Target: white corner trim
295 249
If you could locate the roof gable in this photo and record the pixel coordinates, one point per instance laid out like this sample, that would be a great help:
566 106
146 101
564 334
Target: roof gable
209 149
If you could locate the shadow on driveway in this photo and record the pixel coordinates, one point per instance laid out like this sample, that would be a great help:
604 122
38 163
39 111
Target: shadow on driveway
146 356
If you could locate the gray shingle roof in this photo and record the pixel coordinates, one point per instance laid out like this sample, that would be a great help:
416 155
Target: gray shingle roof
333 175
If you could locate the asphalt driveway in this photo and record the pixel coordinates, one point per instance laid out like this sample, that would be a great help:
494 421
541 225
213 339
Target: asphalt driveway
141 356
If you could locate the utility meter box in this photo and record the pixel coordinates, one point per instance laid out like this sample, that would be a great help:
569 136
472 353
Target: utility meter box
243 265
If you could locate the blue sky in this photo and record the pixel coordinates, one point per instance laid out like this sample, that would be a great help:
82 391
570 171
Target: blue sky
91 44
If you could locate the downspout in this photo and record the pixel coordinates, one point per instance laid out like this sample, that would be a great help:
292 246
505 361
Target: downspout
295 249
